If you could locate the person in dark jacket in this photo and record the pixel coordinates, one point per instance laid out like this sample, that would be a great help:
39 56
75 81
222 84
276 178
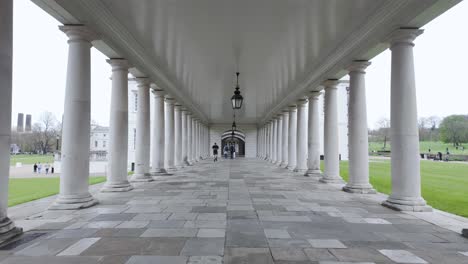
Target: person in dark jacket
215 152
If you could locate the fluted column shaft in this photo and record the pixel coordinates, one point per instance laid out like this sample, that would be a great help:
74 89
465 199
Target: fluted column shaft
184 137
270 141
331 138
284 140
279 140
117 171
358 145
194 140
189 139
302 118
178 136
74 185
158 134
292 140
406 177
313 159
169 150
7 227
197 142
142 155
274 155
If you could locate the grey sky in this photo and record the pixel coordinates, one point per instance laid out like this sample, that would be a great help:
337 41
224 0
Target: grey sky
40 59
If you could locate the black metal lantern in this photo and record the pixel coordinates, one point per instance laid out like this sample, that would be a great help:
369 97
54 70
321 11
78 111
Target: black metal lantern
237 98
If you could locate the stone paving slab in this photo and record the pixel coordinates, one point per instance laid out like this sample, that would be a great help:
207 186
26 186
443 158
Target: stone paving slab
235 211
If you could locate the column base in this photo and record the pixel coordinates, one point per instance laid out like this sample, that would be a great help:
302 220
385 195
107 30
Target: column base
409 204
158 171
465 232
8 230
73 202
291 168
300 171
278 163
332 180
144 177
313 173
283 165
117 187
362 189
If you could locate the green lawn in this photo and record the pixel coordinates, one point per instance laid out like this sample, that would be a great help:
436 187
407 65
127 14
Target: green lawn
31 159
435 146
444 185
29 189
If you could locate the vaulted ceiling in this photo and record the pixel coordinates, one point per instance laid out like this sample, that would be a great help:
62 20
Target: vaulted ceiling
192 48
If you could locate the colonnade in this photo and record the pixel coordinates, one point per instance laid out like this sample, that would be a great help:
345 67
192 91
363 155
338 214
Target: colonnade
295 143
179 137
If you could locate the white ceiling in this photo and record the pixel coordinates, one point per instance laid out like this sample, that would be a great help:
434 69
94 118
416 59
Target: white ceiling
282 48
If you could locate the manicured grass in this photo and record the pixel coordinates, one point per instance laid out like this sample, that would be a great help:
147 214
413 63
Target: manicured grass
23 190
444 185
31 159
424 146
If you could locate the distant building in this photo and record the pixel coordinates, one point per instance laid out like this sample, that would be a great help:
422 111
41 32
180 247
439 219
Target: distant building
20 123
14 149
28 127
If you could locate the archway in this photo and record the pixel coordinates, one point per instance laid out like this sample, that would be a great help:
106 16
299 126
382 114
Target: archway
238 139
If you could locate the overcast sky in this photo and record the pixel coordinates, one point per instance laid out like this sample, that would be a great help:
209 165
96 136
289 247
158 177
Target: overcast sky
40 59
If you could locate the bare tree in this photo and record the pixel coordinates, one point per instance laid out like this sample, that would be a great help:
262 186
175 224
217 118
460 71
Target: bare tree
384 130
45 132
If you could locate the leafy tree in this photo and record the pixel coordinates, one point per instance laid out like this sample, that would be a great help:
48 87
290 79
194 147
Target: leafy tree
454 129
384 130
45 132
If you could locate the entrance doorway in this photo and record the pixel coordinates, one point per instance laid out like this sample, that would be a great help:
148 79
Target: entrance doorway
238 140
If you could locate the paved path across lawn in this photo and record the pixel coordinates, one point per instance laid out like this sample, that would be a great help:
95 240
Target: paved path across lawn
240 211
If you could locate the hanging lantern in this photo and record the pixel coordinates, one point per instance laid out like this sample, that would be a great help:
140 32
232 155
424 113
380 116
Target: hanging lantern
237 98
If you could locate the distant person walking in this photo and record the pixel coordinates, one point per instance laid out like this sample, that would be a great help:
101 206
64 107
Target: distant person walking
226 151
35 168
52 170
39 168
233 150
47 166
215 152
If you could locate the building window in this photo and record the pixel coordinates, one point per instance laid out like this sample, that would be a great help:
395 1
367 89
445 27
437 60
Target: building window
95 144
104 135
103 144
134 138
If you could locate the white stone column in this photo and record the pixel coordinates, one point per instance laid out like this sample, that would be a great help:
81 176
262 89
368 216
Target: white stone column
189 139
194 141
406 178
358 144
313 159
169 134
292 140
142 154
197 142
285 139
262 142
157 135
279 140
74 178
274 142
331 138
178 136
7 227
302 120
117 171
184 138
269 124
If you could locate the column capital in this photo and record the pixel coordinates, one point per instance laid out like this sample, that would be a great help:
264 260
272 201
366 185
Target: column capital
177 106
143 81
118 64
302 102
314 95
359 66
169 100
331 84
404 36
292 108
77 33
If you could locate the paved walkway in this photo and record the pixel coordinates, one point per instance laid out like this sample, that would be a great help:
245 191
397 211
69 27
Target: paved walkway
241 211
